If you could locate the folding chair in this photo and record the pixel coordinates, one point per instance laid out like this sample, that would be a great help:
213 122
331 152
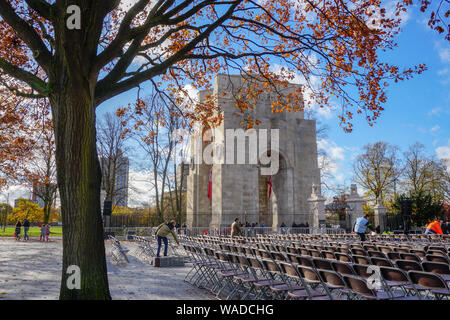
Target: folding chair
292 250
435 258
334 282
279 290
381 262
227 272
342 267
385 249
370 247
293 258
359 286
361 259
262 287
393 255
439 268
396 278
376 254
401 250
311 281
407 265
429 282
420 253
437 248
278 256
315 253
247 279
304 252
264 254
324 264
328 254
343 257
410 256
358 252
305 261
437 253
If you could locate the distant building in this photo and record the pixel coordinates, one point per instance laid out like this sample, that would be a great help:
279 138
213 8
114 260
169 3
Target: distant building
35 198
122 175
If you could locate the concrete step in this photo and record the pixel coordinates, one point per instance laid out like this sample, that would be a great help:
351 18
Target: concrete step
168 261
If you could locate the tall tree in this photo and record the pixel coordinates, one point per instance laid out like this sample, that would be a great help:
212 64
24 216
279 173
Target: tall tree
423 174
80 53
378 168
5 210
154 128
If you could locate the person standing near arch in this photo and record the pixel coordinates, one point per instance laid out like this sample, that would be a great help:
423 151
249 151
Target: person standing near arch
235 228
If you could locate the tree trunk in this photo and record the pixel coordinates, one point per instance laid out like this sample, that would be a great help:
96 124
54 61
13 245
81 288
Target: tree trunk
47 207
79 178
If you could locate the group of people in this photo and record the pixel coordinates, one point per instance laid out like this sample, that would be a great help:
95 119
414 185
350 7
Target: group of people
45 230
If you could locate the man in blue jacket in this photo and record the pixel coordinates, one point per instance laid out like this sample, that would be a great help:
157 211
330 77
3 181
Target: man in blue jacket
361 225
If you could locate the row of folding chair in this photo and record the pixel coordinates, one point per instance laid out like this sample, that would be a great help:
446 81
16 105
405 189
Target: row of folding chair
262 276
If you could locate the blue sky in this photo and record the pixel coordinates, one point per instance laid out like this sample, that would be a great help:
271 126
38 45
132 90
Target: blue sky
416 110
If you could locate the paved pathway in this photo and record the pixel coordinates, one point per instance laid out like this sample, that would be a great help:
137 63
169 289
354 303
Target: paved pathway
32 270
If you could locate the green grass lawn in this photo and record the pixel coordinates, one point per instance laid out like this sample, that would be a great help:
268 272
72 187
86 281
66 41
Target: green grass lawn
32 232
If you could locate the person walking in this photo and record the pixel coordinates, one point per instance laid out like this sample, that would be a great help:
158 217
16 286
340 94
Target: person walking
161 235
361 224
26 227
17 231
235 228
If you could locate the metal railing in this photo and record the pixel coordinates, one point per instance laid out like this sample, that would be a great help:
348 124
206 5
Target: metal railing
254 231
121 232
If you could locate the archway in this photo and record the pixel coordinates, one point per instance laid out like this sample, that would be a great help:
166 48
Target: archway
276 208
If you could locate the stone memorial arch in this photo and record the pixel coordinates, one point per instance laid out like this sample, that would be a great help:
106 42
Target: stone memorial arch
241 189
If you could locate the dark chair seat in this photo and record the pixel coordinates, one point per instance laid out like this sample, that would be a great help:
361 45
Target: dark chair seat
285 287
266 283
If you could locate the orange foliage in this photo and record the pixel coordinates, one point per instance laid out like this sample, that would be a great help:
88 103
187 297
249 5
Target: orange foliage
333 46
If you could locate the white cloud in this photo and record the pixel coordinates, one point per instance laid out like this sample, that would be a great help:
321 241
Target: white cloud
443 51
436 111
335 166
140 188
435 128
443 152
443 72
